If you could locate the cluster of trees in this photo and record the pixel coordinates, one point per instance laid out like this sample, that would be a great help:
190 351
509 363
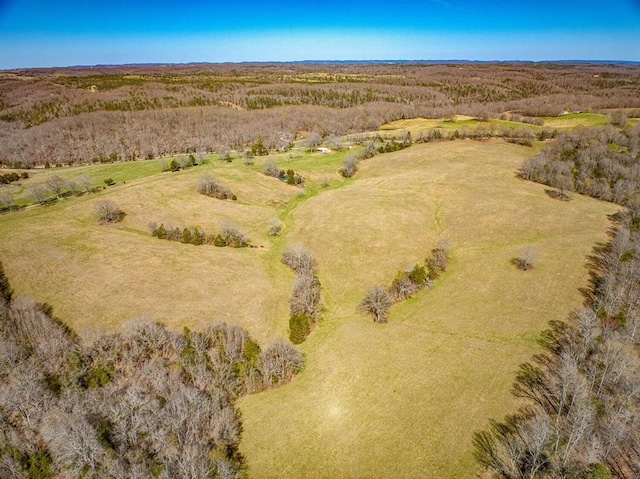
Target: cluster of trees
56 188
229 234
601 162
145 402
288 176
305 302
109 116
582 412
351 161
178 164
379 299
210 186
8 178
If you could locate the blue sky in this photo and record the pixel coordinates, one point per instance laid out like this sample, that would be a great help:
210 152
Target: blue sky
61 33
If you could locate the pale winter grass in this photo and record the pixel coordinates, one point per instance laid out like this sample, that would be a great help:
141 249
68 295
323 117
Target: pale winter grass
403 399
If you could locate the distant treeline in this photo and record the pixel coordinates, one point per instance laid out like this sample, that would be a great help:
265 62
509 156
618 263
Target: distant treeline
135 112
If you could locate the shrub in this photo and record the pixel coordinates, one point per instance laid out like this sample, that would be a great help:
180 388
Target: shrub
526 259
109 182
108 212
232 235
208 185
271 168
299 328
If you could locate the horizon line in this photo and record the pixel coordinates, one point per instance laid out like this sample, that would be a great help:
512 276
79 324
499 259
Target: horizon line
326 62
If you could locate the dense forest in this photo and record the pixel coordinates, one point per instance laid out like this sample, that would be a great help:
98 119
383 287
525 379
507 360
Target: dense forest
103 114
143 403
582 412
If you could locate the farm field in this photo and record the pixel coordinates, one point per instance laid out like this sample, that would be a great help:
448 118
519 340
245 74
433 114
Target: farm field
399 399
402 399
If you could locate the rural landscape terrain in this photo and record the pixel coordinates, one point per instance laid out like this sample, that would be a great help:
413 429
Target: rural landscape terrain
320 270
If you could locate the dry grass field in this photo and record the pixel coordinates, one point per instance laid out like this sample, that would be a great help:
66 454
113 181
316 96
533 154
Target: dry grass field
402 399
395 400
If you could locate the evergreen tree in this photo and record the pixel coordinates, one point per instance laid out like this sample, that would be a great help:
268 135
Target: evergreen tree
6 293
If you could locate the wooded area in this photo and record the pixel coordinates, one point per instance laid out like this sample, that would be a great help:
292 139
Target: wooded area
582 412
146 402
106 114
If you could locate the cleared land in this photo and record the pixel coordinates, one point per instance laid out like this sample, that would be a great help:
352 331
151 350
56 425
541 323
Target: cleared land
395 400
402 399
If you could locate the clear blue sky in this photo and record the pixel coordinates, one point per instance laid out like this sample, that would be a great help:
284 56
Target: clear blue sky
44 33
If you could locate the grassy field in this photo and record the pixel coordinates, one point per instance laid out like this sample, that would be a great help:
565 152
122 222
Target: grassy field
402 399
395 400
418 125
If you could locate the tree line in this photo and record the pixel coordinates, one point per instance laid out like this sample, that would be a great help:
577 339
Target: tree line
109 116
379 299
581 416
601 162
146 402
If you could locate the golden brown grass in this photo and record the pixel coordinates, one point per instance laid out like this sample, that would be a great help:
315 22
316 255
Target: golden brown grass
395 400
98 277
402 399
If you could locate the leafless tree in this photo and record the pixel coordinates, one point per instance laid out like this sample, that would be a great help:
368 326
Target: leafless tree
526 258
306 296
275 227
57 185
233 235
271 168
6 199
279 362
377 302
38 194
107 211
208 185
300 259
350 166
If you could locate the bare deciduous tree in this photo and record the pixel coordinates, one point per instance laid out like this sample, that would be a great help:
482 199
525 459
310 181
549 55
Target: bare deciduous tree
232 235
57 185
6 199
107 211
377 302
279 362
271 168
526 258
38 194
208 185
300 259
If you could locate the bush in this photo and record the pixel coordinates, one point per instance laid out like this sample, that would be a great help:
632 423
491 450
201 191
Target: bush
107 211
300 259
526 259
271 169
232 235
299 328
208 185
